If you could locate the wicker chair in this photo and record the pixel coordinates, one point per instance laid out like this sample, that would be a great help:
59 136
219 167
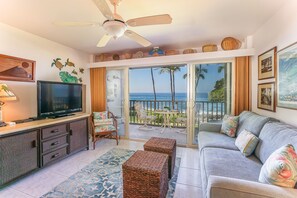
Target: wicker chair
142 116
181 121
104 125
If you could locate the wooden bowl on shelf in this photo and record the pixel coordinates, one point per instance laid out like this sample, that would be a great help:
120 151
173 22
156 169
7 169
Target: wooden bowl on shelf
115 57
171 52
230 43
139 54
100 57
209 48
127 55
189 51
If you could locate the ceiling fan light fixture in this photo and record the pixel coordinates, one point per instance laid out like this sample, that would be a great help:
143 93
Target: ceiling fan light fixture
115 28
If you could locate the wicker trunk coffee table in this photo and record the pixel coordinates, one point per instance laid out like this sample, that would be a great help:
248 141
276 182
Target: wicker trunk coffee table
166 146
145 174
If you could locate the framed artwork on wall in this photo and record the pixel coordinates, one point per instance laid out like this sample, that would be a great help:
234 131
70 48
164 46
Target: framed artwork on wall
16 69
266 64
266 96
287 77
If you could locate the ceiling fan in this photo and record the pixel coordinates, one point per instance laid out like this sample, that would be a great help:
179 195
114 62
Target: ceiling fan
116 27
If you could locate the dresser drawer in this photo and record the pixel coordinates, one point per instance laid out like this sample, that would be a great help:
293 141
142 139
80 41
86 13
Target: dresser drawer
54 143
52 156
53 131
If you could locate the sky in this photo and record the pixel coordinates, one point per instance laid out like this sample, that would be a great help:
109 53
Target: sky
141 82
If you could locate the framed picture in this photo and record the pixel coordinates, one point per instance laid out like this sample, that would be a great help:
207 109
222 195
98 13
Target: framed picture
16 69
266 64
266 96
287 77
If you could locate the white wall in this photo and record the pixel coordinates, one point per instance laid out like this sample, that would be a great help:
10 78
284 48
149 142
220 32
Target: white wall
280 31
15 42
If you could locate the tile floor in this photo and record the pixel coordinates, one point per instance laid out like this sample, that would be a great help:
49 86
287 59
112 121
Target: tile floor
39 183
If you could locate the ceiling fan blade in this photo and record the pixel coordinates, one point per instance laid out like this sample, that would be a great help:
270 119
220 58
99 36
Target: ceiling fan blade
136 37
74 23
104 9
104 40
150 20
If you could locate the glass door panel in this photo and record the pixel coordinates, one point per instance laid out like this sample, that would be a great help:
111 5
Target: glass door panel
158 102
212 89
115 96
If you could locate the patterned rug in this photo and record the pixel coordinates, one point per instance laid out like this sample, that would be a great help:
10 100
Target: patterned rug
102 178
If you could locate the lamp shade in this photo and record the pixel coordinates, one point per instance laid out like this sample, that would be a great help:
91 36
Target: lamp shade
5 93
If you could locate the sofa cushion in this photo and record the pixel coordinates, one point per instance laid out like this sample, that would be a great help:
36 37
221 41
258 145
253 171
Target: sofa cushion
280 168
251 122
214 139
228 163
273 136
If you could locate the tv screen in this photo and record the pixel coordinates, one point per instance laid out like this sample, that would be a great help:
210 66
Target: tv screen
56 99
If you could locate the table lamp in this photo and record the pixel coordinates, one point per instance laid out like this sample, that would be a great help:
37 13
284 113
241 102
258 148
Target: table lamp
5 95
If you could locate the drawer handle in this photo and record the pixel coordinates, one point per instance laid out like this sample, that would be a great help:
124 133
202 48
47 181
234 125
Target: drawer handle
56 155
55 131
55 143
34 144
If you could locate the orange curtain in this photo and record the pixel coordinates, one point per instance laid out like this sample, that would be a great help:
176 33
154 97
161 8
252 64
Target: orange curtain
98 89
242 85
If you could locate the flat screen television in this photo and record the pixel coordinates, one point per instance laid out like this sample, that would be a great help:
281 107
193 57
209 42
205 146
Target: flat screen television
57 99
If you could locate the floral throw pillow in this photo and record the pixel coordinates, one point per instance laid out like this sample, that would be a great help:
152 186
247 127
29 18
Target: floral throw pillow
100 115
246 142
280 168
229 125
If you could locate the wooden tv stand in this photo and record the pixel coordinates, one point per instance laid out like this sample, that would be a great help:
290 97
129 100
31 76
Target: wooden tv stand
30 146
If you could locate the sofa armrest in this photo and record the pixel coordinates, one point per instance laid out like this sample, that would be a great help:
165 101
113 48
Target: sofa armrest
211 127
237 188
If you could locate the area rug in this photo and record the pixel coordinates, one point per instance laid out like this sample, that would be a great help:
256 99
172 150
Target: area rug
102 178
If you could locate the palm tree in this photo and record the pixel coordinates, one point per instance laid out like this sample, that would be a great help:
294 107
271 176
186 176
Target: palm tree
199 73
221 68
154 88
171 70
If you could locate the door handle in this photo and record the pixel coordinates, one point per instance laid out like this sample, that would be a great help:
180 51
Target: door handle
70 132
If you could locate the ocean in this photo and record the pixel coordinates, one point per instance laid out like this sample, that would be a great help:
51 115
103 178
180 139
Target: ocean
167 96
164 100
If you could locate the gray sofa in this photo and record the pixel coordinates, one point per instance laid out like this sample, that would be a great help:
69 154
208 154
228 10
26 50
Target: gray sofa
226 173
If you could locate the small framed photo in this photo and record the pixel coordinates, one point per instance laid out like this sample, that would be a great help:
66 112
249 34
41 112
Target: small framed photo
266 64
266 96
287 77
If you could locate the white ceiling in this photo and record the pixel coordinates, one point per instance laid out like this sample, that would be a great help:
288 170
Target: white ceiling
195 22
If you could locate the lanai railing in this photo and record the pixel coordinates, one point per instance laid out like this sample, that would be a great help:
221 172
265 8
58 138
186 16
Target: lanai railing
204 111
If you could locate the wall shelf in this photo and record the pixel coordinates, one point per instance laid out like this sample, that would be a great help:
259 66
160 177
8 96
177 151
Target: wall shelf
175 59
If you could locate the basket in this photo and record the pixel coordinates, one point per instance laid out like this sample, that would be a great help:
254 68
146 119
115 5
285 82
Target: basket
209 48
189 51
230 43
171 52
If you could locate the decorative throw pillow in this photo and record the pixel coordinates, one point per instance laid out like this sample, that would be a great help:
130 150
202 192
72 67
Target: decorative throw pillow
280 168
246 142
229 125
100 115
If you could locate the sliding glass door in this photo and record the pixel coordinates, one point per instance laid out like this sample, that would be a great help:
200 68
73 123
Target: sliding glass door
158 102
211 94
169 101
